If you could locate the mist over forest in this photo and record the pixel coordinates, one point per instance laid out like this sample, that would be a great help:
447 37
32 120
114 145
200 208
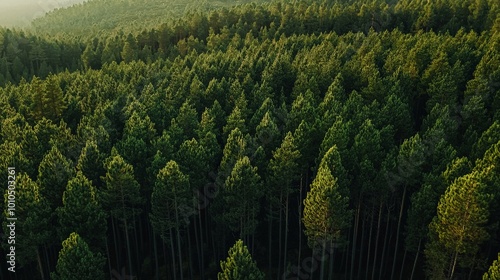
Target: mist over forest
19 13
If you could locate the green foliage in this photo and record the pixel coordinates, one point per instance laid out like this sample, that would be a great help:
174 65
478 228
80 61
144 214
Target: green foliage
234 120
54 173
91 163
235 148
33 214
171 192
77 261
82 212
121 197
242 191
381 104
461 212
239 265
493 272
283 170
47 99
459 226
326 212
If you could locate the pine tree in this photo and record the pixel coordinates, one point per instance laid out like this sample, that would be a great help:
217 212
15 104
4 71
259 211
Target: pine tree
234 120
242 192
326 212
239 265
77 262
493 272
235 148
171 194
193 161
54 173
48 99
136 145
33 215
410 160
283 170
81 212
330 107
187 119
90 163
54 97
461 216
267 133
121 197
129 53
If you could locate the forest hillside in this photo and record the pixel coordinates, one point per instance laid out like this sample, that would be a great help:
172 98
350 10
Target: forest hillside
281 140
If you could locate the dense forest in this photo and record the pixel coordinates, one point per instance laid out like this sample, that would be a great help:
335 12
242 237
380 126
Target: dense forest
281 140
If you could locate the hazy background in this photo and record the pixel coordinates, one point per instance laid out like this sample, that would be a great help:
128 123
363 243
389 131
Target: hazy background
21 12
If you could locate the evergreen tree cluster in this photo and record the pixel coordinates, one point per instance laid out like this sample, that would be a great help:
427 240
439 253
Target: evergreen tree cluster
255 141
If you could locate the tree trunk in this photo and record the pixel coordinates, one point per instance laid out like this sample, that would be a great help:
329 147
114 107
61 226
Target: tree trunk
107 254
188 236
369 244
137 253
202 257
382 260
376 241
115 240
300 222
286 234
332 262
472 268
40 266
197 244
47 259
157 271
362 247
129 255
416 258
141 231
214 246
172 246
253 243
270 231
354 237
454 264
344 262
396 247
322 264
279 234
180 251
403 265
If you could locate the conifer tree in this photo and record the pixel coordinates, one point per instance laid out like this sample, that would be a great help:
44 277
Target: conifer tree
235 148
326 212
239 265
171 194
82 212
461 217
54 173
267 133
77 262
493 272
242 192
234 120
135 146
91 163
33 215
121 197
283 170
187 119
